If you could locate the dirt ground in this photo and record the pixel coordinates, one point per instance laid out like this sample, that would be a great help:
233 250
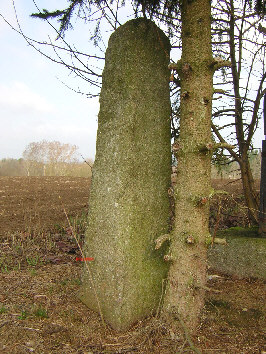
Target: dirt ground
35 204
40 278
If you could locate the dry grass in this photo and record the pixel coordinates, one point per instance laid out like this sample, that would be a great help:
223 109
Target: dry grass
40 311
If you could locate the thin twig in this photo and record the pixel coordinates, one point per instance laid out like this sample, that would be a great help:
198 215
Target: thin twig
4 323
161 298
186 332
86 162
31 329
87 266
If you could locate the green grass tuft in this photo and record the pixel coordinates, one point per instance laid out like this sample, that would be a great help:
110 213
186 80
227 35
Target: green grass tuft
3 309
41 312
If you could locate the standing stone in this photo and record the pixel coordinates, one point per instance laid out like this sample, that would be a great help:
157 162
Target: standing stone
129 206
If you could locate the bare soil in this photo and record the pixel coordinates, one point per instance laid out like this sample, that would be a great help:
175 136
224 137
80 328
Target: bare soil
35 204
40 278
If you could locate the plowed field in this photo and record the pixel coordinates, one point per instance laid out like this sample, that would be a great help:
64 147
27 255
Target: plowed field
34 204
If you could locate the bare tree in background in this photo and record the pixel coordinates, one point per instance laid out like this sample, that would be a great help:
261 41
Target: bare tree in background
33 156
236 36
51 158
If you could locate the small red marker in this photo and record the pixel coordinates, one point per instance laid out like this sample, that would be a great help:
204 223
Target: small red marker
87 259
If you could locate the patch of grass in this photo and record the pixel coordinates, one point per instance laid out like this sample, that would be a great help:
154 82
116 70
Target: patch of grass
76 281
4 268
49 242
32 261
59 228
51 289
64 282
221 304
8 262
16 242
18 248
3 309
33 272
24 315
41 312
79 224
70 282
17 267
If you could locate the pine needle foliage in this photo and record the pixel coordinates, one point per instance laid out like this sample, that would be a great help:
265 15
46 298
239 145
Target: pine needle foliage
63 16
148 8
260 7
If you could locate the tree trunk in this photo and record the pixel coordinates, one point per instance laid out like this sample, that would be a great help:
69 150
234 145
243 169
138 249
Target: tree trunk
185 289
251 196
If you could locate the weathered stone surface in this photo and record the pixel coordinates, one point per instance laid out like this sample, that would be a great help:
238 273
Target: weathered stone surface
129 206
244 257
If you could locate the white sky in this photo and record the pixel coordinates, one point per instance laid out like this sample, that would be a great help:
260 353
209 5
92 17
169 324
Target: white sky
34 104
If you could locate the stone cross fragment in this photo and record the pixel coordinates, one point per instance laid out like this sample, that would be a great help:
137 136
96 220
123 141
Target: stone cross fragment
128 205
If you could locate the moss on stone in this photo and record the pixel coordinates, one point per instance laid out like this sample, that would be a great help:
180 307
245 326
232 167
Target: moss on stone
129 205
238 231
243 256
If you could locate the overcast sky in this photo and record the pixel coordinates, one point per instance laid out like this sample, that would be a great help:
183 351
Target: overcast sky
34 104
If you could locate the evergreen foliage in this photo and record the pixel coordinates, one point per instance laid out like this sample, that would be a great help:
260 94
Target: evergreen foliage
260 7
149 7
63 16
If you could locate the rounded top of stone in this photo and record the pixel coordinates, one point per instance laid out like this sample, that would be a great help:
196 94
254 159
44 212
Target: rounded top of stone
140 24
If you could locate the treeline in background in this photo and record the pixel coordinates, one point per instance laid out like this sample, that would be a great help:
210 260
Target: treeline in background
224 167
58 159
48 159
